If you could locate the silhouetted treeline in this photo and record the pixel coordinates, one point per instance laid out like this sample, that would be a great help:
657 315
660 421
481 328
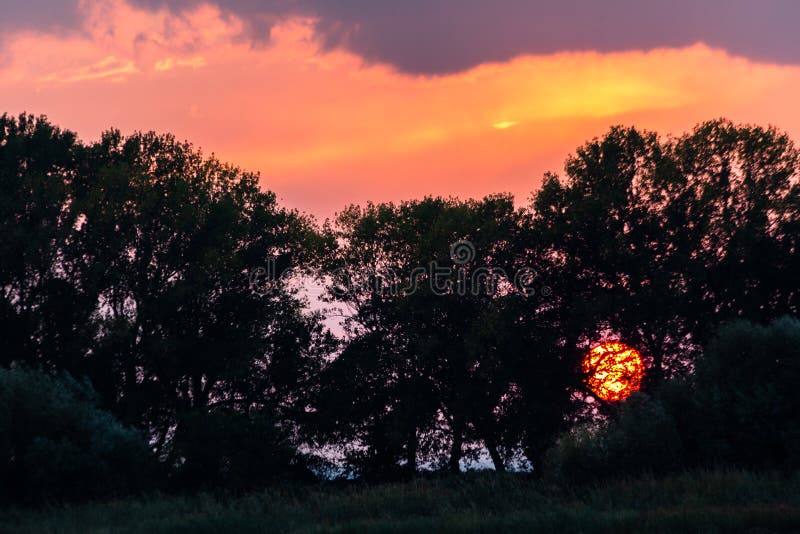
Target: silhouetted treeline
154 275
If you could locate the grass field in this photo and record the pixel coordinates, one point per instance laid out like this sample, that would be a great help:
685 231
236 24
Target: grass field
729 501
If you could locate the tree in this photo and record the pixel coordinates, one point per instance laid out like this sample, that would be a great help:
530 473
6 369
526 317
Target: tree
39 314
429 369
130 261
167 241
743 221
659 241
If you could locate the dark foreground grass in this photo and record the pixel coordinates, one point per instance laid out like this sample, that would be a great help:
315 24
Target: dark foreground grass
714 501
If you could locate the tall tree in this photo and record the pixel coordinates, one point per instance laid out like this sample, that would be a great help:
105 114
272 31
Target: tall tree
129 261
427 372
744 184
659 241
39 314
166 243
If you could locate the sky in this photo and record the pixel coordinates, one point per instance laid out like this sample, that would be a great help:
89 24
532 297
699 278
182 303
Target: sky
342 101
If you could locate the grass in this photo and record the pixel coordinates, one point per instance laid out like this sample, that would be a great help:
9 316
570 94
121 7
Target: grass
709 501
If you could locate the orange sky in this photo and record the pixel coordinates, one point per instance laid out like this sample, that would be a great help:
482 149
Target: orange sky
325 129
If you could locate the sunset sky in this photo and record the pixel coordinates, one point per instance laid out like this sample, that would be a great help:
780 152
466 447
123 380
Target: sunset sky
337 101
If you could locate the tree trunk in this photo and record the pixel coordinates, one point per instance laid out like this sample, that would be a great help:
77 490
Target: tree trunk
455 450
497 460
411 451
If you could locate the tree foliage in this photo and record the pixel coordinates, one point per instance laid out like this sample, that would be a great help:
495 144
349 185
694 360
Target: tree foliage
660 241
436 366
127 261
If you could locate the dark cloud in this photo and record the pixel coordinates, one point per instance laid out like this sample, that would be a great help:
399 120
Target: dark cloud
442 36
42 14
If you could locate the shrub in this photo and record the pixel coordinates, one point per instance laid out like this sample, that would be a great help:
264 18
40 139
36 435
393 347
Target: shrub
57 444
748 393
641 436
231 450
576 456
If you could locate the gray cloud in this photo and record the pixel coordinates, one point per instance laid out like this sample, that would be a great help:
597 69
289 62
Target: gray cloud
44 14
443 36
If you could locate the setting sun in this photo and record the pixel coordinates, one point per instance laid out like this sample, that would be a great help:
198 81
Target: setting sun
614 370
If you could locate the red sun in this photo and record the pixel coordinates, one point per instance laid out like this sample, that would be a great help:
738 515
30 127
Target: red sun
614 370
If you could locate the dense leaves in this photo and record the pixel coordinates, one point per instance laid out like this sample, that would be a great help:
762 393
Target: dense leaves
232 451
661 241
56 444
432 366
128 261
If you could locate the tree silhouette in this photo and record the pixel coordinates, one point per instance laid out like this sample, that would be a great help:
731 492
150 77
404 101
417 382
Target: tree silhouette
432 372
659 241
127 261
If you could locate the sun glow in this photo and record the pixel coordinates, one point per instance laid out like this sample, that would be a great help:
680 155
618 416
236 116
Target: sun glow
614 370
504 124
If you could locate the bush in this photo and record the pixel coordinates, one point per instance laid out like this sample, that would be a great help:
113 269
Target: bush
230 450
576 456
56 444
641 436
748 393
